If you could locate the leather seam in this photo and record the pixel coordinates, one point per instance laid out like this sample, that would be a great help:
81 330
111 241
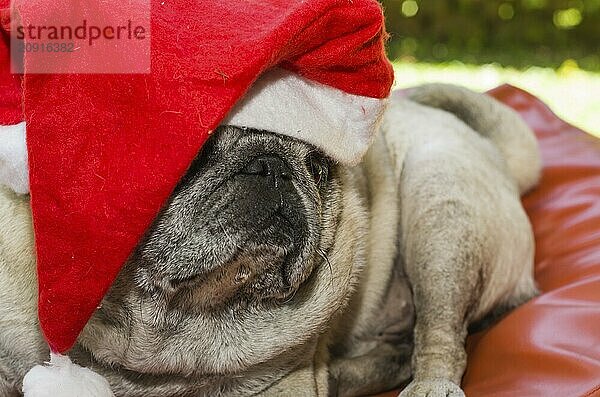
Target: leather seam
591 392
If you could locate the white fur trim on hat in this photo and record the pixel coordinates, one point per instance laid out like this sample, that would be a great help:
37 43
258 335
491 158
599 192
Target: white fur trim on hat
13 158
342 125
61 378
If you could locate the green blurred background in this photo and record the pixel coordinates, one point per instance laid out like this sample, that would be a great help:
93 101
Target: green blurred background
548 47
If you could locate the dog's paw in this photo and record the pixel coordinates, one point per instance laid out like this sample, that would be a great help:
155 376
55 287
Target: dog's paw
432 388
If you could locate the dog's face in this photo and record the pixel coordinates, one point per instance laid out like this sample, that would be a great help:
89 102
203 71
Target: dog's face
251 255
244 225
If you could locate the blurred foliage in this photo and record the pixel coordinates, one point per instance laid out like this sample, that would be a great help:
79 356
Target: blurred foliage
571 92
516 33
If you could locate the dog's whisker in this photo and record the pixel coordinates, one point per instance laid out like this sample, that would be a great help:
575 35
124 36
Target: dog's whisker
231 240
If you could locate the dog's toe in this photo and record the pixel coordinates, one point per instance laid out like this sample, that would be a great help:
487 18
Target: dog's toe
432 388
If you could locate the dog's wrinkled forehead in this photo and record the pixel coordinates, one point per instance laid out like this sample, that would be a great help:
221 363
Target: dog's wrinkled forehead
228 136
237 144
230 149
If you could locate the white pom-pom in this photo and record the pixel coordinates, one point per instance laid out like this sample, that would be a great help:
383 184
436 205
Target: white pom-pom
14 172
61 378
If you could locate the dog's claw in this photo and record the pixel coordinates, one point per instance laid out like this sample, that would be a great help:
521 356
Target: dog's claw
432 388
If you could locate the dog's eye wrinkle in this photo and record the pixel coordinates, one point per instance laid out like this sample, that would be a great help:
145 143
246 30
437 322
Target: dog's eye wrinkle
318 167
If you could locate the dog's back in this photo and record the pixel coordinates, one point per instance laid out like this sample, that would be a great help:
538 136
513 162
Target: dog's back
491 119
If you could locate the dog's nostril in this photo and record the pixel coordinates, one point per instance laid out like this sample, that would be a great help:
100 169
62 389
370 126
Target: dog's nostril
268 165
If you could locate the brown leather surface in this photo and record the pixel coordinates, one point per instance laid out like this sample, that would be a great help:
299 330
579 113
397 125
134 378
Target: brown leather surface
551 345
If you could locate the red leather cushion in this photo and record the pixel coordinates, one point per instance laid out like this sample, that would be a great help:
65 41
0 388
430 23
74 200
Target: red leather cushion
551 345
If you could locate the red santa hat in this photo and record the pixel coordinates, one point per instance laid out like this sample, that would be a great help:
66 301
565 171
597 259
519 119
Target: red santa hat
104 151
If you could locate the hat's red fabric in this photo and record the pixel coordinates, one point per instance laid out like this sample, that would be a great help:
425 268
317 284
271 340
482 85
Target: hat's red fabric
11 95
551 345
105 151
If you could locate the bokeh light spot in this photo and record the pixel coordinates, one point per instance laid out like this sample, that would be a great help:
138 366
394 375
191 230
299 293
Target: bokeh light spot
410 8
506 11
567 19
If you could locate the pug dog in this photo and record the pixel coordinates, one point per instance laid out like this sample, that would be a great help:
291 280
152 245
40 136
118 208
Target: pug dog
274 271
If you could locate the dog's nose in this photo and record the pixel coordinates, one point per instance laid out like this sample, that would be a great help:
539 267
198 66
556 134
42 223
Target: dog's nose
268 165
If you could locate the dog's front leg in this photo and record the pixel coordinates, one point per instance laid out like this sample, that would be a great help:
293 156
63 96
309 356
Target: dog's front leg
444 254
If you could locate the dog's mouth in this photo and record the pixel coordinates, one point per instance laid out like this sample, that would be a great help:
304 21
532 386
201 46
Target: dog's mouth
251 276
